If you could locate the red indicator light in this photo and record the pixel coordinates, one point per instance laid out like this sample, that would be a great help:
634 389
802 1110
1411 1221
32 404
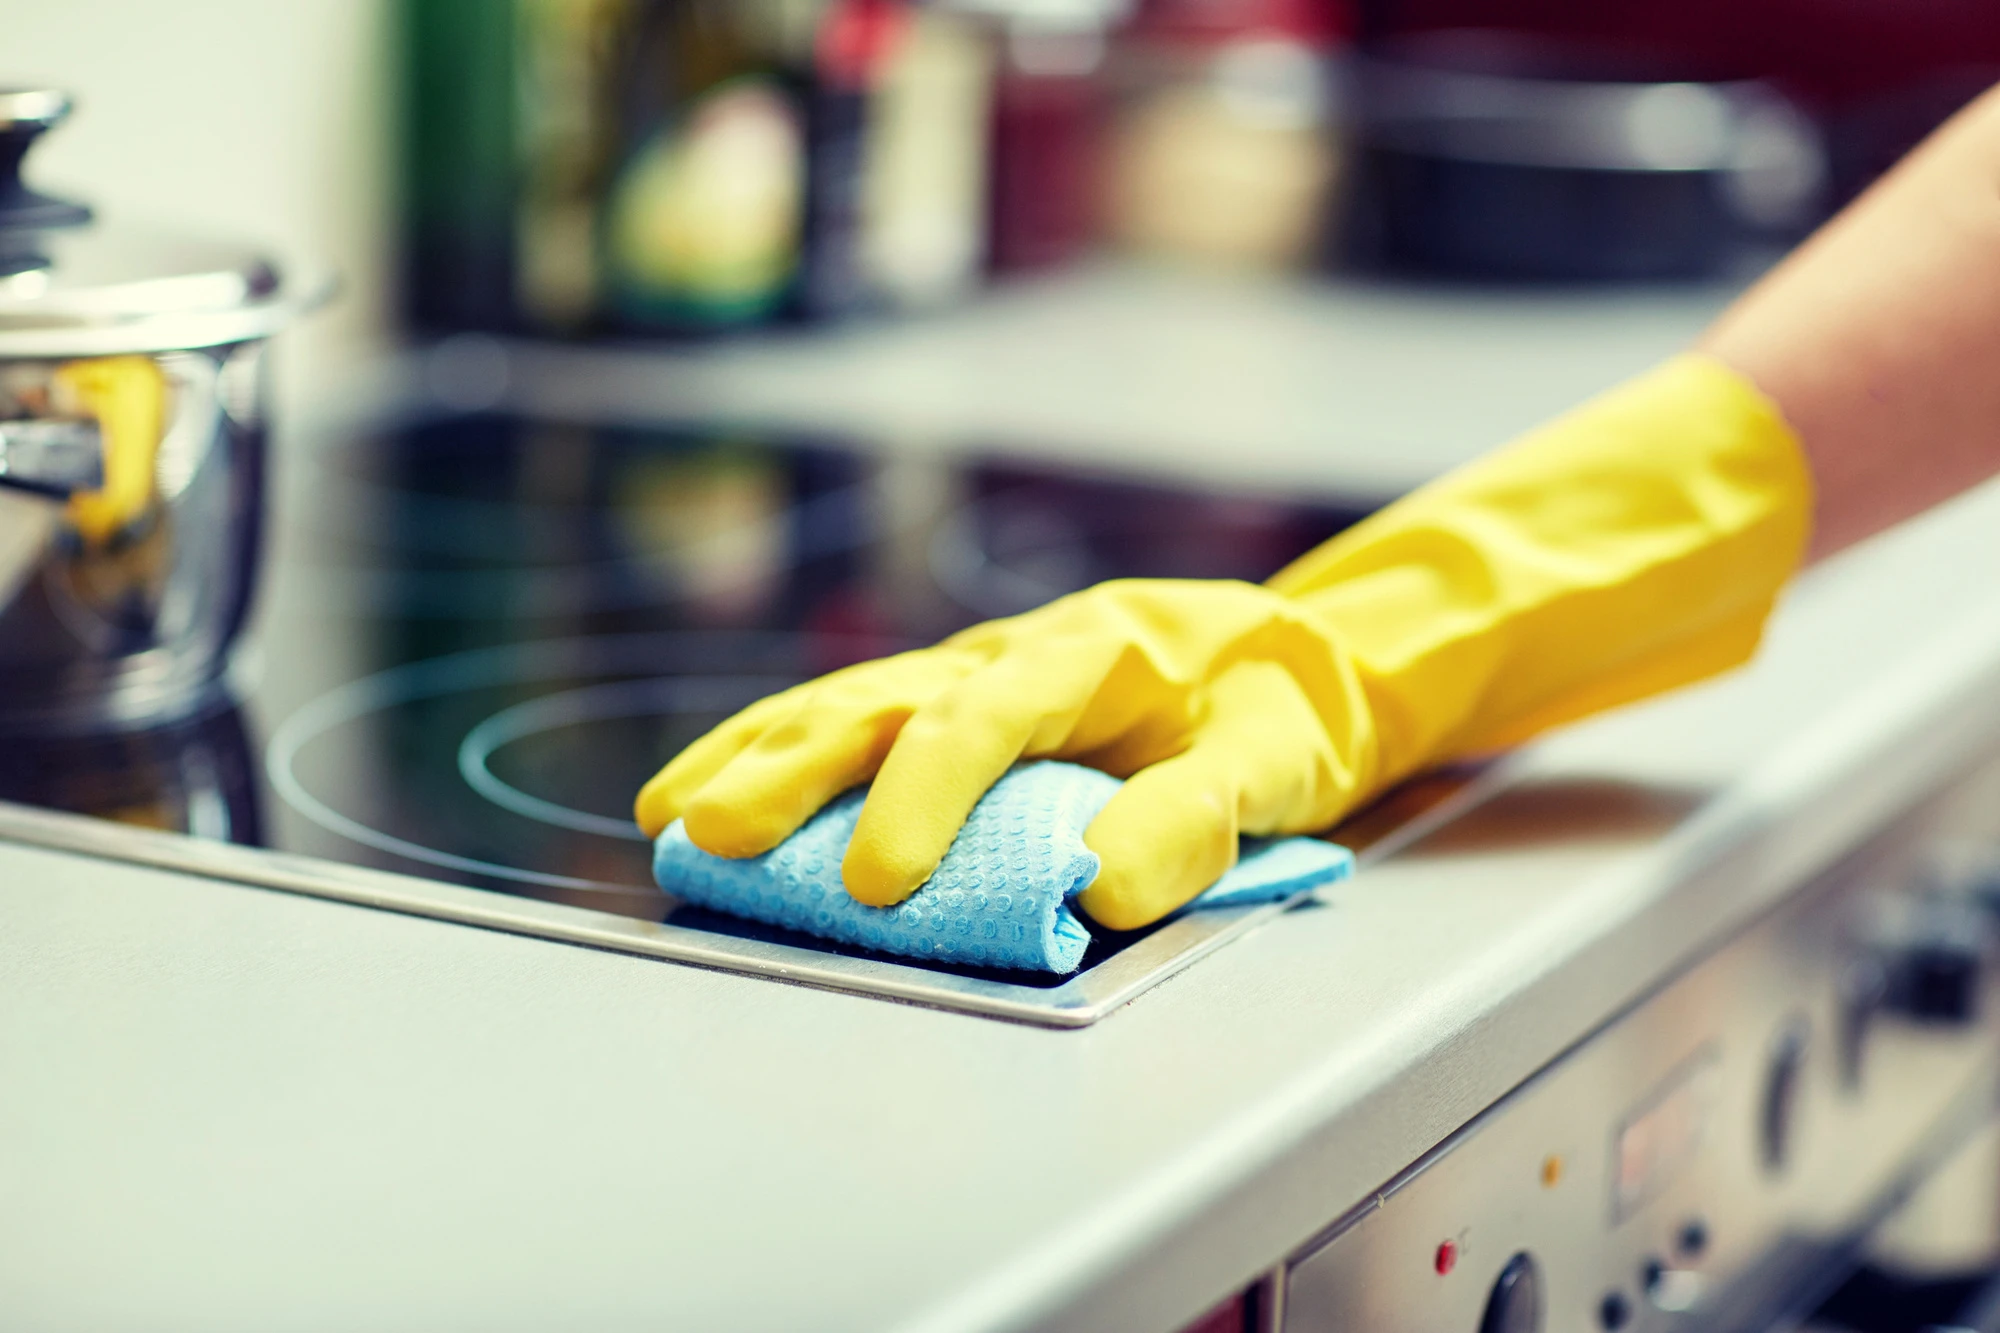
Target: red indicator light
1447 1257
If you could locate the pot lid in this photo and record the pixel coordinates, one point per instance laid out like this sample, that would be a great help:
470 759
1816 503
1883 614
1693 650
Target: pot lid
74 285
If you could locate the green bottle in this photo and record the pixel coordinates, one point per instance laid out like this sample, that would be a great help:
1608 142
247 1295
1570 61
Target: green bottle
702 225
509 131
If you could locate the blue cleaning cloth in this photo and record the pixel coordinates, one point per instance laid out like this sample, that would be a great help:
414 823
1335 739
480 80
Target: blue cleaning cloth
1000 896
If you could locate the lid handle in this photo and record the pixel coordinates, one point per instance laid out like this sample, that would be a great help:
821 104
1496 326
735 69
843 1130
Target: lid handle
24 114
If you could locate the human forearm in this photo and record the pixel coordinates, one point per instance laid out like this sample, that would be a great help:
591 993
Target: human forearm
1879 338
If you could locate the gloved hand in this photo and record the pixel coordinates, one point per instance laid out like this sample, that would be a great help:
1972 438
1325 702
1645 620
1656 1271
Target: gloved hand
1636 544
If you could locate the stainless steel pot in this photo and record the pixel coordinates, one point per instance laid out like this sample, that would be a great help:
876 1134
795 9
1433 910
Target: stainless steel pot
132 451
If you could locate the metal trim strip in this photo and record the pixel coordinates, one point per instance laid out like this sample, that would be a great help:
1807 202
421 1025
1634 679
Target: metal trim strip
1078 1002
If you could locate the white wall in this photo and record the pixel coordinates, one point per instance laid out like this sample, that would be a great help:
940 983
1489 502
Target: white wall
266 119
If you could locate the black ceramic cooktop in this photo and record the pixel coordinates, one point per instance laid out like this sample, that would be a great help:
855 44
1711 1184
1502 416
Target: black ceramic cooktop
480 635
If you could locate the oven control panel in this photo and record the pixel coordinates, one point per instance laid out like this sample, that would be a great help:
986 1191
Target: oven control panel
1704 1159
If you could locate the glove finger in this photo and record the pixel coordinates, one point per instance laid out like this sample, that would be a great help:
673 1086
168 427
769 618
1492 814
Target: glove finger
1261 763
666 793
780 780
832 738
1169 833
951 751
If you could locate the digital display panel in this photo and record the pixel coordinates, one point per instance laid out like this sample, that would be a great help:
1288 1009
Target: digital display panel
1659 1138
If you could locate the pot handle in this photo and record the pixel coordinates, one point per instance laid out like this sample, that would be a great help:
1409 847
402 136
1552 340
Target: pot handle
57 458
25 114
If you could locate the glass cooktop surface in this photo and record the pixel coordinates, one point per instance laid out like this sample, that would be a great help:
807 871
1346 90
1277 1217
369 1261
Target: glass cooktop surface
479 635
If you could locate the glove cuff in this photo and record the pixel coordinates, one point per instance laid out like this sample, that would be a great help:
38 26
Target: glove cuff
1633 545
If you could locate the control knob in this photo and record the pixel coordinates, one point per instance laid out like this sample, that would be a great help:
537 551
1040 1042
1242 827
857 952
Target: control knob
1936 968
1516 1303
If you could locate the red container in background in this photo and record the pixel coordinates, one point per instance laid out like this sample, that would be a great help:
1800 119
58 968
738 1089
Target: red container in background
1232 1316
1045 151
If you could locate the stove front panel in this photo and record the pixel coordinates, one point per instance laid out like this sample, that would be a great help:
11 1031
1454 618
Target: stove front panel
1710 1159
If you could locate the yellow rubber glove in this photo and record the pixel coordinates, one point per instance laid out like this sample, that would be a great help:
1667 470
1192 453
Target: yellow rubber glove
128 396
1636 544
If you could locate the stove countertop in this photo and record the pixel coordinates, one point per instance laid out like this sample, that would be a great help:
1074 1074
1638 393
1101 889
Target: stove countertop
256 1110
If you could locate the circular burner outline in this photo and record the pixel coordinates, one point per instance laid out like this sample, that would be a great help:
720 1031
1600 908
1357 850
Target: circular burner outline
589 703
478 668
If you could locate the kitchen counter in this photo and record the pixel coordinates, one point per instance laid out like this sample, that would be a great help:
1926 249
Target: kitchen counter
231 1108
1356 389
238 1108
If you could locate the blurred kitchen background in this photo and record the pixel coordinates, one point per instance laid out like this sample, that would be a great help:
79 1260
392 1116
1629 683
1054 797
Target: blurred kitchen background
676 172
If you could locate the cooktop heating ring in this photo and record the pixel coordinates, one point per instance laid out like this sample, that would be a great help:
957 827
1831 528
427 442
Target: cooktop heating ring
589 703
511 664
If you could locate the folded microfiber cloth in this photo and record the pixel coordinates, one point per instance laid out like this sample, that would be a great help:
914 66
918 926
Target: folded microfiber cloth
1000 896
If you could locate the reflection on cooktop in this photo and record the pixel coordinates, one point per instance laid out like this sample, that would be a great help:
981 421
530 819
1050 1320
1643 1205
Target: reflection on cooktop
490 517
485 633
523 758
194 775
1022 538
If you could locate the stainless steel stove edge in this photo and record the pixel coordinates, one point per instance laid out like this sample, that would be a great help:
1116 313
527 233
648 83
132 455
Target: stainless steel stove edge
1078 1002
